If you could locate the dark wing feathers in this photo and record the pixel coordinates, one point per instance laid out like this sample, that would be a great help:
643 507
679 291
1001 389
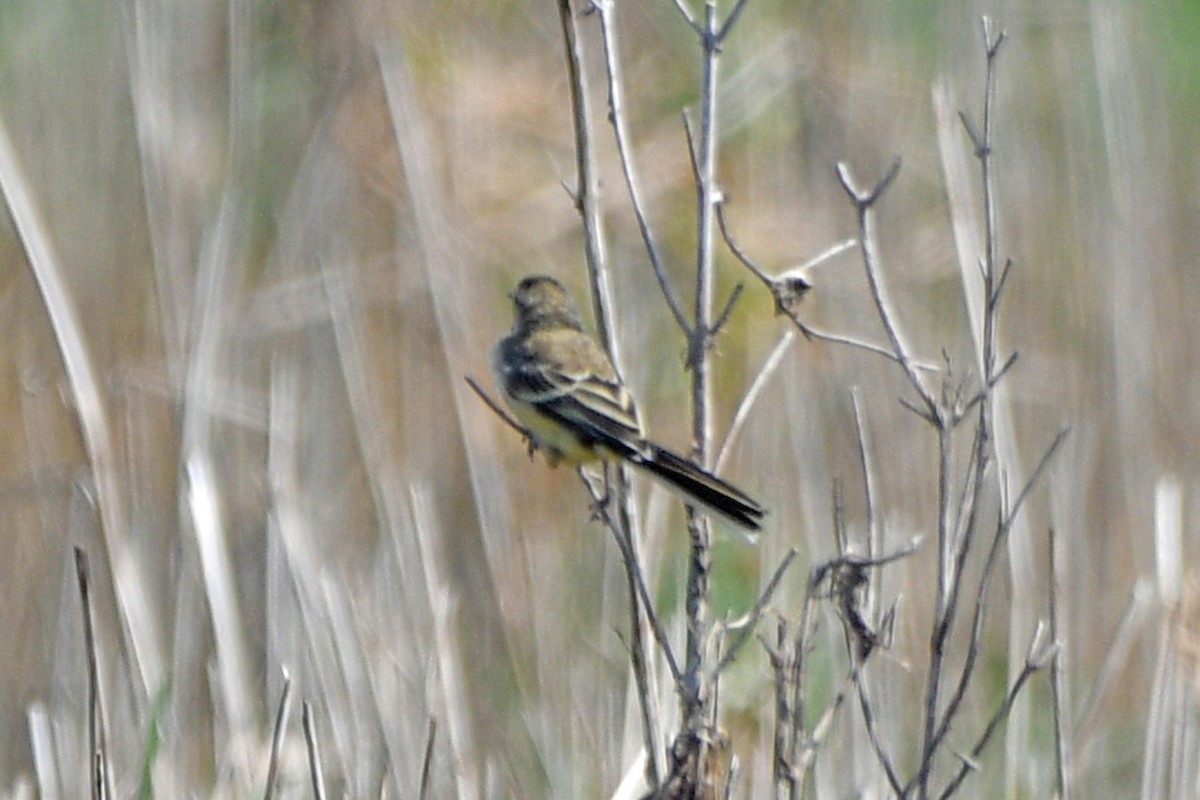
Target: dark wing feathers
567 375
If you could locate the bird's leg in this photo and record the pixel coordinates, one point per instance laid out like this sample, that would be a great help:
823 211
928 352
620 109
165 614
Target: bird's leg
600 500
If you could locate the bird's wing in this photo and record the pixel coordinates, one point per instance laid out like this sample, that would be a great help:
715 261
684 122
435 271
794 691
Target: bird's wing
568 376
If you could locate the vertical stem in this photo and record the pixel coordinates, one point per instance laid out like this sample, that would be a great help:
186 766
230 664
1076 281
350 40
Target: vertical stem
587 188
651 736
606 11
1058 683
953 550
587 201
697 693
942 614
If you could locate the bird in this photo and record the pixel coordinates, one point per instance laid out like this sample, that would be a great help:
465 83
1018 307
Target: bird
562 387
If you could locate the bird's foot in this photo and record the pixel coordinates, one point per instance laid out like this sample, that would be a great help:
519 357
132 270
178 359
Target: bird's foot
601 499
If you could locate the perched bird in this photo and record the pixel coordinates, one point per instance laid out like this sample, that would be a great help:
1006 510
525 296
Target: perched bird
563 388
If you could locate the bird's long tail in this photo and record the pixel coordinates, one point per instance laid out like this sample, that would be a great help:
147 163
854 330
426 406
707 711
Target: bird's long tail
702 486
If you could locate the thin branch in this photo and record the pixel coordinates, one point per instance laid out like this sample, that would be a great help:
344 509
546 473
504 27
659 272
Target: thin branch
281 715
981 597
836 338
731 20
993 42
979 396
824 723
312 747
690 138
587 194
589 205
427 761
699 697
727 235
1033 479
635 583
496 407
750 622
616 115
1058 680
851 561
782 669
742 414
864 202
874 534
686 13
881 755
976 140
835 249
950 583
635 569
920 412
723 317
97 745
1004 272
788 289
1032 665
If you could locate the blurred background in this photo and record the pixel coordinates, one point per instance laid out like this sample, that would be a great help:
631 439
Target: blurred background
252 249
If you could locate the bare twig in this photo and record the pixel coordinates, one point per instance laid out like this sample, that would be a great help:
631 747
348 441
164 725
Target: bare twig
427 761
1034 661
874 533
605 9
750 622
781 667
281 715
824 569
731 20
1058 680
586 194
589 206
641 663
881 755
698 697
723 317
97 745
496 407
999 290
989 567
953 552
1043 462
864 202
742 414
809 748
634 568
965 408
790 288
737 251
313 749
687 14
